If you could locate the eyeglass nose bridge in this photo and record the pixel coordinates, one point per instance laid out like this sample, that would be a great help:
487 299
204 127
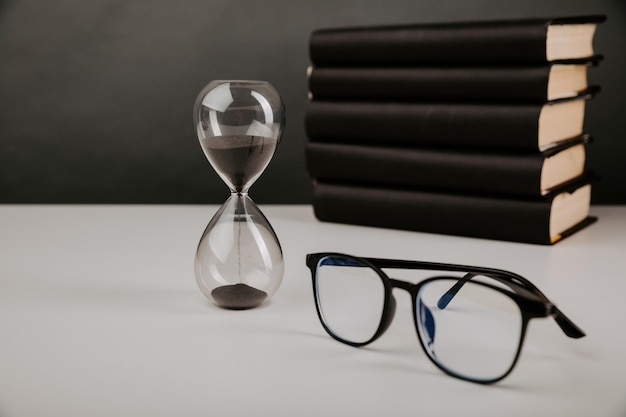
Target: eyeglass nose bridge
388 315
396 283
390 311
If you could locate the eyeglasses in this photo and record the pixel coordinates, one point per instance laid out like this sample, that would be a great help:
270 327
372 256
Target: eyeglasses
470 323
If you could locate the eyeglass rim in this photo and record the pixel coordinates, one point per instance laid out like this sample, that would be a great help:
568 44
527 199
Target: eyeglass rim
525 318
532 304
387 313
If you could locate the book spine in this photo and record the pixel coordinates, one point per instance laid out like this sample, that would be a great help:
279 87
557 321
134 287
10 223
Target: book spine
462 215
504 42
430 83
511 42
482 173
477 126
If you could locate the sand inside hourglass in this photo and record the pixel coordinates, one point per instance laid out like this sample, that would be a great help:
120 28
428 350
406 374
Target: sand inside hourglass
238 296
239 159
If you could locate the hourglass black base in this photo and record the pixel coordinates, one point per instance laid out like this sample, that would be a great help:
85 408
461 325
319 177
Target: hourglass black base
238 296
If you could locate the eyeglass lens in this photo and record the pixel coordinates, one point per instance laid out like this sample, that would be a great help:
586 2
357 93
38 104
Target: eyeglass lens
475 336
351 298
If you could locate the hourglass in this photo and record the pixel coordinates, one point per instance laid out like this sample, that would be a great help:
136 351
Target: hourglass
239 262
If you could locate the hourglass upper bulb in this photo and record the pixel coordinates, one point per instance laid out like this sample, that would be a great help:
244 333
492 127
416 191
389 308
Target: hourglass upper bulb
239 125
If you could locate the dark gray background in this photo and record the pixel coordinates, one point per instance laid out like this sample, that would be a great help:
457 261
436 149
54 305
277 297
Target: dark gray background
96 96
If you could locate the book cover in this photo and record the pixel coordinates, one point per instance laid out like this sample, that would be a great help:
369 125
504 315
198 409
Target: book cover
513 126
543 221
535 40
538 83
501 174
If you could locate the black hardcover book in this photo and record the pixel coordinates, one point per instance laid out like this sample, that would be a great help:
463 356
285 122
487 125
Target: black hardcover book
522 83
530 126
544 221
501 174
506 42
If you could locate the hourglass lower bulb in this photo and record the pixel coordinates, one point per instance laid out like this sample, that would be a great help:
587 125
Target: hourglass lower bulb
239 262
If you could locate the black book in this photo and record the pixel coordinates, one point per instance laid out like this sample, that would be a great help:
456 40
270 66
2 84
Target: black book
501 174
518 41
545 221
513 126
539 83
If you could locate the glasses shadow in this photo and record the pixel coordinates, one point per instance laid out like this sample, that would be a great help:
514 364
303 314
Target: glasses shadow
386 360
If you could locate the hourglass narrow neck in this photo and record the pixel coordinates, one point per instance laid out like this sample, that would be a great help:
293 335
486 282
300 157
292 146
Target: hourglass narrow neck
239 160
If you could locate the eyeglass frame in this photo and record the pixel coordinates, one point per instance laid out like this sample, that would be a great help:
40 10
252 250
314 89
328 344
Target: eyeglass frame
530 300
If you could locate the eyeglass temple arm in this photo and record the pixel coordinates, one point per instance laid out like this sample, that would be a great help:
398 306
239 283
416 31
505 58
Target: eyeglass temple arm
568 326
528 291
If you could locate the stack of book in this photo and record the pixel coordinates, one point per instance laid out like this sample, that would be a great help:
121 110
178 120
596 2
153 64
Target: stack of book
472 129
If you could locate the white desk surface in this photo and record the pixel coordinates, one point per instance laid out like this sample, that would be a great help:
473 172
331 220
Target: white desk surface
100 316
